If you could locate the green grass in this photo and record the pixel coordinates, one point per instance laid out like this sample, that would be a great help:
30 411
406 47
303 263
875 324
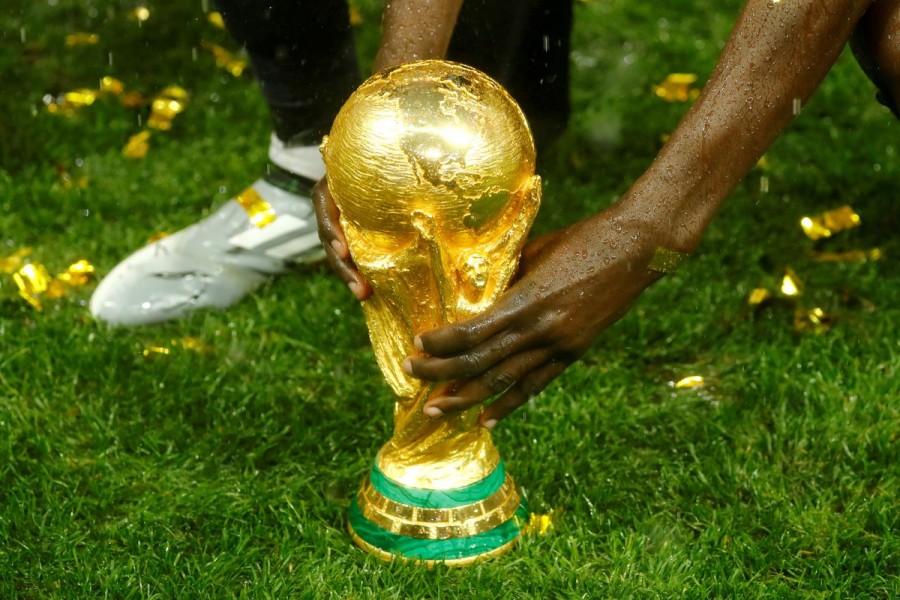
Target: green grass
229 473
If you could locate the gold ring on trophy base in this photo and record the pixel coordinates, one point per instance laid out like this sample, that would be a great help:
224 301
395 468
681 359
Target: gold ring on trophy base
453 562
369 496
439 523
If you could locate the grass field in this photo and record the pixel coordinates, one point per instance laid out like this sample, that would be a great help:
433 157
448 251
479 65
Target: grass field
228 472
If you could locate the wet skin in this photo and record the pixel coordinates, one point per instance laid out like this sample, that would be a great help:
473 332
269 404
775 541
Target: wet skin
578 281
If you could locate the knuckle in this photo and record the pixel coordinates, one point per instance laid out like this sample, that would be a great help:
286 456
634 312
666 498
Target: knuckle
469 364
500 381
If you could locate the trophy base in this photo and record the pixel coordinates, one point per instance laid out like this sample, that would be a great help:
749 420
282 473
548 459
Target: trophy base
451 527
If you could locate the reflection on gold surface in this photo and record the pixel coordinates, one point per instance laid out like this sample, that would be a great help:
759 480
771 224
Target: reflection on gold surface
432 167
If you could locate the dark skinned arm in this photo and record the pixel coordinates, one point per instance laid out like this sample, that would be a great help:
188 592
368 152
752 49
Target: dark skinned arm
578 281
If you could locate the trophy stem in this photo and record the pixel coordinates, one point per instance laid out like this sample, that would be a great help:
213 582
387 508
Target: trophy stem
453 527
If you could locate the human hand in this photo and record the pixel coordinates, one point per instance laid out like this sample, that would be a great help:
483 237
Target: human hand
328 218
573 284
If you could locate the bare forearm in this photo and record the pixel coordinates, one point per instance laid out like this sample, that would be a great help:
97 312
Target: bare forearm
415 30
778 53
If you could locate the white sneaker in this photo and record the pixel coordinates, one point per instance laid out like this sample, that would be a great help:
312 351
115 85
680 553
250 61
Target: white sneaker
215 262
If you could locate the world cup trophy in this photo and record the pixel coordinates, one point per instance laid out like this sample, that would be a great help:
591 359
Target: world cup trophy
432 167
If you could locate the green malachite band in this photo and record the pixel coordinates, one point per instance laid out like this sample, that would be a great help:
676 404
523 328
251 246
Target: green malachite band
423 498
439 550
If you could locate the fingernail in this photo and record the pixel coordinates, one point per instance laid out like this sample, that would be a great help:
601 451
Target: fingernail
338 247
490 423
433 411
355 289
418 344
407 367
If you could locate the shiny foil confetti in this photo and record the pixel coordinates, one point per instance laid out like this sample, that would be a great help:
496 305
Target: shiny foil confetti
758 296
226 60
139 14
156 351
215 19
112 86
539 524
193 344
137 145
157 236
815 320
32 280
81 39
260 212
12 263
77 274
677 87
690 382
67 103
165 106
356 18
190 344
830 222
790 283
872 254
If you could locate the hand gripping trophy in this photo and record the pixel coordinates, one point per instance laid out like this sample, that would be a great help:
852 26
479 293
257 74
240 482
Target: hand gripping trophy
432 167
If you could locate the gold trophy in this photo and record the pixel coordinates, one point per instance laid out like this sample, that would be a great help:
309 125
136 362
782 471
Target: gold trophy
432 167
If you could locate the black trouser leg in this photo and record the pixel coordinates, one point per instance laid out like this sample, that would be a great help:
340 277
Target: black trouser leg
524 45
304 57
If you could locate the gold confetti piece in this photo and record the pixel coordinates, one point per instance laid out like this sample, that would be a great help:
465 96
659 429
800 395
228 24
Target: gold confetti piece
815 320
690 382
111 85
356 18
165 106
137 145
13 262
193 344
790 283
762 163
849 256
79 98
32 281
215 18
830 222
157 236
677 88
140 14
82 39
758 296
154 351
260 212
539 524
175 92
77 274
226 60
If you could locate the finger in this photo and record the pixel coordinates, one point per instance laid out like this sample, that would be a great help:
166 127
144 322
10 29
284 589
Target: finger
527 388
328 218
332 236
473 362
489 384
461 337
